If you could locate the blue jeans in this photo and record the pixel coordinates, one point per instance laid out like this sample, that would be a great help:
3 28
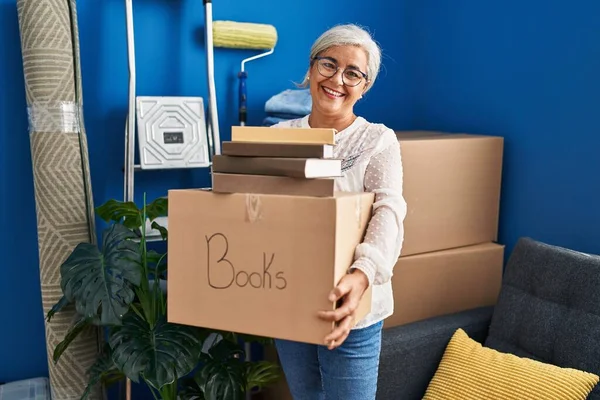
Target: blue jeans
348 372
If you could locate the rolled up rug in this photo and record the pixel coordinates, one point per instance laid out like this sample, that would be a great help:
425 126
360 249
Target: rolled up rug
63 194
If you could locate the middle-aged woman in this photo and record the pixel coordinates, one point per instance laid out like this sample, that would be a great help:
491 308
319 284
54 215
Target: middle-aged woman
343 65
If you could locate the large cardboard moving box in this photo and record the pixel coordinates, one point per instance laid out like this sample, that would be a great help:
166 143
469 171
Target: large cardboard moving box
261 264
452 189
443 282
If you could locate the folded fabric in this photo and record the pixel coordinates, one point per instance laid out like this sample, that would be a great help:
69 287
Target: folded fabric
297 102
273 120
286 115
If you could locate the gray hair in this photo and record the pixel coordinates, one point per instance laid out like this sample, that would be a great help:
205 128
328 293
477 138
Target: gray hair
353 35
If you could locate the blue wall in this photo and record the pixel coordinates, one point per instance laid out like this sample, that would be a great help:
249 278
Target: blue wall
528 71
525 71
170 61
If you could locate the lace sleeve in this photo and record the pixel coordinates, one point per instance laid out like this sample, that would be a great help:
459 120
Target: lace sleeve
379 252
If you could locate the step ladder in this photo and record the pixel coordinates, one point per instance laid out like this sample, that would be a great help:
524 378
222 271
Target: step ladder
172 132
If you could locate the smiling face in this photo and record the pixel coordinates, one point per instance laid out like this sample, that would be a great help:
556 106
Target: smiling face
330 96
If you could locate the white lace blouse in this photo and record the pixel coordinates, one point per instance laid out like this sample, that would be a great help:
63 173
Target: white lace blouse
372 162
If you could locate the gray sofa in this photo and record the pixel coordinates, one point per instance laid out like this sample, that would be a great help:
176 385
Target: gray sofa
548 310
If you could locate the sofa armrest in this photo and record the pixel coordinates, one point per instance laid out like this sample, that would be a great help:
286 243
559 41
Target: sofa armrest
410 354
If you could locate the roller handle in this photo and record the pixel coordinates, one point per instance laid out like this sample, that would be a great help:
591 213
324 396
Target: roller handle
207 1
242 97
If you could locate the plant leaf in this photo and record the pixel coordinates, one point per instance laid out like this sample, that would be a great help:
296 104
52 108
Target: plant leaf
158 208
190 390
101 282
221 380
62 303
156 263
237 337
103 370
73 332
152 256
222 374
126 213
163 231
160 354
260 374
225 350
156 259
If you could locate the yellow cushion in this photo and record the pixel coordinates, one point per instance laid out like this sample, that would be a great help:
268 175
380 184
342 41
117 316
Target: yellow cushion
470 371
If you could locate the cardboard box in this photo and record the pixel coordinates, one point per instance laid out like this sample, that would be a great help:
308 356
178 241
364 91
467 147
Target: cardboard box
443 282
452 189
261 264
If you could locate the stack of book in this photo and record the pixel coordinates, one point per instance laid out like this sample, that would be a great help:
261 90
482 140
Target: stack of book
289 161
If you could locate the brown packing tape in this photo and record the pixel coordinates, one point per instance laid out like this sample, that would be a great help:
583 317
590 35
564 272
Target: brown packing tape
357 210
253 208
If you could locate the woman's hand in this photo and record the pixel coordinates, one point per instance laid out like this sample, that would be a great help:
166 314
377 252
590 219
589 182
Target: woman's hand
351 289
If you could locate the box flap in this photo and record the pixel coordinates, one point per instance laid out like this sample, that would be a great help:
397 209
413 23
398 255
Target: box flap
435 135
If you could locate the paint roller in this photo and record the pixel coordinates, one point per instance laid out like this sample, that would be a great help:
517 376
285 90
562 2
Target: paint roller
244 35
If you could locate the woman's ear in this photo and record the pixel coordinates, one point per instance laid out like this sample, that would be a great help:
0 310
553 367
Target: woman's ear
365 89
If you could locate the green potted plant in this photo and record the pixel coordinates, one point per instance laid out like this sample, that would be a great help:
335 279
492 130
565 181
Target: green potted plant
117 286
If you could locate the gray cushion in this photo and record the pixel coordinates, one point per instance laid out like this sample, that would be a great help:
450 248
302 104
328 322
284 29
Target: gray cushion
411 353
549 307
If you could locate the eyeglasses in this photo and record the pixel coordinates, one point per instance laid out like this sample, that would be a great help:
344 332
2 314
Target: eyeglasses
328 67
